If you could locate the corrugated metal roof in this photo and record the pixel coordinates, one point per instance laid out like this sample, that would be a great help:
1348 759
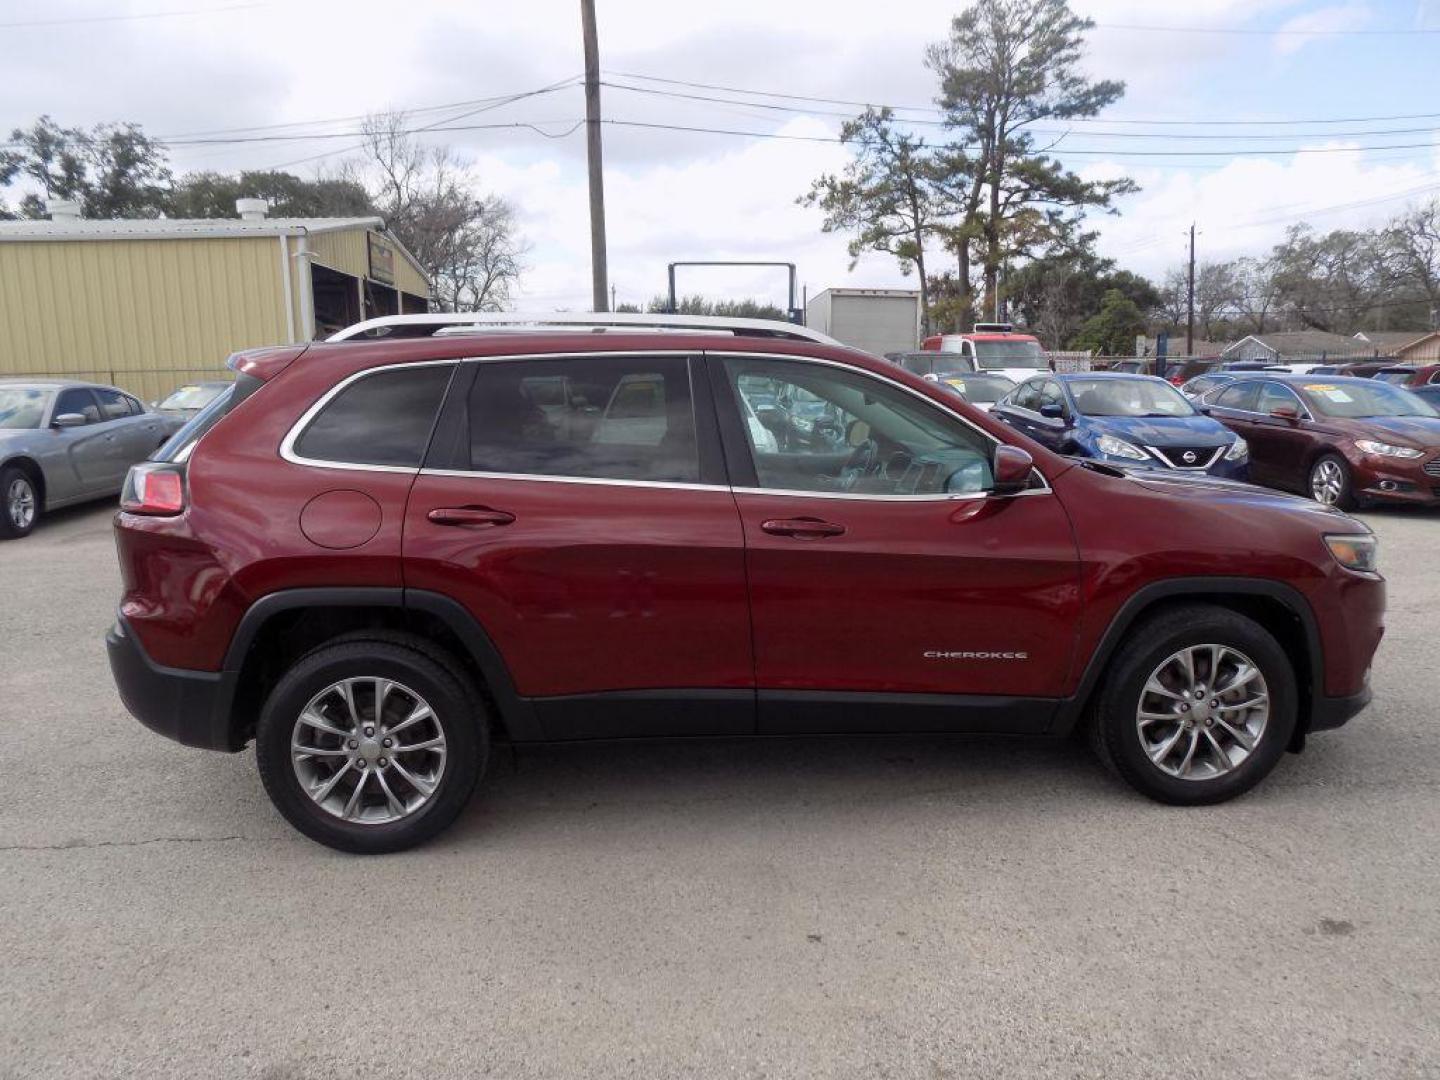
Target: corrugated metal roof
179 228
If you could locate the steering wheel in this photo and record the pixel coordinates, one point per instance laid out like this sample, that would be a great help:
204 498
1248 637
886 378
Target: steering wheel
863 461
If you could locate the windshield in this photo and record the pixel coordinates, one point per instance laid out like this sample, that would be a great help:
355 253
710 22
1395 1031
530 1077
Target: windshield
22 406
1400 378
192 397
1128 397
1009 354
986 389
1354 399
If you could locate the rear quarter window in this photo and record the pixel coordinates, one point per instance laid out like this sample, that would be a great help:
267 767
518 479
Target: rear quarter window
383 418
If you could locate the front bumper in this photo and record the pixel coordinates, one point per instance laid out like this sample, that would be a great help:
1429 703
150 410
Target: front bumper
1384 479
191 707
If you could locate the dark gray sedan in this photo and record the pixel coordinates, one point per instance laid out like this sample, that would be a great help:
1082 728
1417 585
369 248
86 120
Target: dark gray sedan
67 442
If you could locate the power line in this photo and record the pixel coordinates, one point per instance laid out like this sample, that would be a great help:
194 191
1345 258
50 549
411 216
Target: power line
807 111
933 109
1258 31
136 17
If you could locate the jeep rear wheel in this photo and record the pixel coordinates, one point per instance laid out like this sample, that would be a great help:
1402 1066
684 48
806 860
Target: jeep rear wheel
1198 706
371 745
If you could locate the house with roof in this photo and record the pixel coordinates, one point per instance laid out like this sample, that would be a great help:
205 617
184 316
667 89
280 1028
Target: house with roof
149 304
1299 346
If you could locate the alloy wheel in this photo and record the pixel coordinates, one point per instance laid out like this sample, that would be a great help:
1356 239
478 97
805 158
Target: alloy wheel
20 503
1327 482
368 750
1202 712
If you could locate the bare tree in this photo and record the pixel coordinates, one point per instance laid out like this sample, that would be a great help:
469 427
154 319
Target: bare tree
1174 296
1257 306
1217 292
429 199
1412 252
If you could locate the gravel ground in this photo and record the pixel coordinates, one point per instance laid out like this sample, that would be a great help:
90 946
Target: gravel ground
850 908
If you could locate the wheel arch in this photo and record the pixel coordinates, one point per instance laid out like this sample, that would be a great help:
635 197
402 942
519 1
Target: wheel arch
1281 609
280 627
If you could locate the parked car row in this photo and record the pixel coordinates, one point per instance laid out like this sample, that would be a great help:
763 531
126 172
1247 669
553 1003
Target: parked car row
1340 440
63 443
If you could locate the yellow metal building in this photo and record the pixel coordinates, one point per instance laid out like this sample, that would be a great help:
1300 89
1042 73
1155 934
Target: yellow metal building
149 305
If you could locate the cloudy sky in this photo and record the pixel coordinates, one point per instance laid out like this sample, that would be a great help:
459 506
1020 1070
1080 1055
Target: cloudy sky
1221 96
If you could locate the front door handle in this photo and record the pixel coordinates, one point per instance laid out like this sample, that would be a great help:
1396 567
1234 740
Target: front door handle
475 516
802 528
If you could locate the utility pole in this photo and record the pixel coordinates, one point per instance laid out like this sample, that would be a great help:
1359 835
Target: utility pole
598 270
612 297
1190 302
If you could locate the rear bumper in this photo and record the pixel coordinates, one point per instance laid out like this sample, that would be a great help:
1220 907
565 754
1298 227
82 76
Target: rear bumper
191 707
1332 712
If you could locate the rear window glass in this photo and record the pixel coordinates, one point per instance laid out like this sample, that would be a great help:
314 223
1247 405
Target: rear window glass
380 419
610 418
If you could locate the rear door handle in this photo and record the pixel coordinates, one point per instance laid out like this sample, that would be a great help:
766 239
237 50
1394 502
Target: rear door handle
475 516
803 528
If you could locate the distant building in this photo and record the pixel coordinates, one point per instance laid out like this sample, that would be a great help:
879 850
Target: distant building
1422 349
149 304
1301 345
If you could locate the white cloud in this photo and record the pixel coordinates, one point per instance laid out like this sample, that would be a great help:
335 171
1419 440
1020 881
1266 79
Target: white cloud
1304 29
1245 206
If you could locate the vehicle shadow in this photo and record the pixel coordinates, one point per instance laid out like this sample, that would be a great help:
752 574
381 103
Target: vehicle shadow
708 781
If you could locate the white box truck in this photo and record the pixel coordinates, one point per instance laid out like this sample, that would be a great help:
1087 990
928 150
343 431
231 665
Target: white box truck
879 321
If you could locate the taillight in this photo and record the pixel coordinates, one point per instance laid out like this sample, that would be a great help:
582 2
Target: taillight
154 488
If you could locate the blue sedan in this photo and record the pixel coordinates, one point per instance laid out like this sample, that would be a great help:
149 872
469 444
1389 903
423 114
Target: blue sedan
1134 421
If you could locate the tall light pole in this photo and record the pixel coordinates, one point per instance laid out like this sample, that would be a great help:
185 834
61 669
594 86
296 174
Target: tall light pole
599 271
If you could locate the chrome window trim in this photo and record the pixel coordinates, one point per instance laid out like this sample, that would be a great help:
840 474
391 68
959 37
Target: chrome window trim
287 445
1044 489
676 485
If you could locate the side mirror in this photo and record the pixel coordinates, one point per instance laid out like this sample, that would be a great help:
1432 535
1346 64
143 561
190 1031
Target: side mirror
1051 411
1285 412
1012 470
68 419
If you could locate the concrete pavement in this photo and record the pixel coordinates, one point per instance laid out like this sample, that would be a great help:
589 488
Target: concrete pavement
851 908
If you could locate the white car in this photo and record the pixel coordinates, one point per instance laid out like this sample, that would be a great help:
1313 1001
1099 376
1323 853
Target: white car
981 388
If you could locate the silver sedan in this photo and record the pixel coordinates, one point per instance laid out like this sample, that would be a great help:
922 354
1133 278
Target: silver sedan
66 442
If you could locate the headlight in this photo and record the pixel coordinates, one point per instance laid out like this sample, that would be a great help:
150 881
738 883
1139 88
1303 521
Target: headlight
1110 446
1368 446
1355 552
801 424
1239 450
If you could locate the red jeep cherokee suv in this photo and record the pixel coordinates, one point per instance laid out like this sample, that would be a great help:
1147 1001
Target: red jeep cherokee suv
375 556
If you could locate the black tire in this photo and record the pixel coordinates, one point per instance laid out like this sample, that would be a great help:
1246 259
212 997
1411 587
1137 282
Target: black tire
458 711
1113 729
1346 499
9 476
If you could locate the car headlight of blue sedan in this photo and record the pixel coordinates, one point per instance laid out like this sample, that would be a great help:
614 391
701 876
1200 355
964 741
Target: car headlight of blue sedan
1110 446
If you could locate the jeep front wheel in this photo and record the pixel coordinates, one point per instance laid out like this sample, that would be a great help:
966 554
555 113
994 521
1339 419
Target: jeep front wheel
1198 707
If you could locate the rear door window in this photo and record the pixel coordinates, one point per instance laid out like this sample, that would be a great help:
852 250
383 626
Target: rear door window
1240 396
588 417
113 405
381 419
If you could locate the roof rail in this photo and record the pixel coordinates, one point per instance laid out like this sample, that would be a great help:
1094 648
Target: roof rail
429 325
